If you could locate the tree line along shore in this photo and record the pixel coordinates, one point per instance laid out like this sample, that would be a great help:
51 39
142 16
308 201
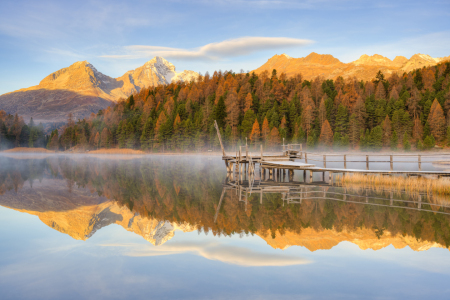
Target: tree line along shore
407 112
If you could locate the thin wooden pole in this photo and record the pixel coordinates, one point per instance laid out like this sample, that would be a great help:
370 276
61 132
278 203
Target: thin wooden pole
392 162
345 161
306 157
420 162
324 161
367 162
261 153
220 138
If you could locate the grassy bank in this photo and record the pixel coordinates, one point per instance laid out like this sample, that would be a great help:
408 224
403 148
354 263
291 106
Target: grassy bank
28 150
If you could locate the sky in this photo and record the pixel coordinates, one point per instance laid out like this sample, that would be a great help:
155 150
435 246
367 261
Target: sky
41 37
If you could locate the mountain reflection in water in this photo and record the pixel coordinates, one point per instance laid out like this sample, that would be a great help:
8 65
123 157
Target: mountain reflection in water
155 196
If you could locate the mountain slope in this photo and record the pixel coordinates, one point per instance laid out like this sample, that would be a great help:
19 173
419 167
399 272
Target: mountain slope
81 90
365 68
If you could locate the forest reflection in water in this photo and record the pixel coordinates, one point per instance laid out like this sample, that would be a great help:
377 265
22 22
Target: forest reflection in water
154 196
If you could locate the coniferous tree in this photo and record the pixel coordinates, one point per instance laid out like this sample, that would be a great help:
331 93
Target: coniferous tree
255 134
436 121
326 134
394 140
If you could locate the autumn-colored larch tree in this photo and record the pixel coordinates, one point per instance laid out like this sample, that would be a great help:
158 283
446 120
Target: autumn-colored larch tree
256 133
436 120
232 109
417 132
387 131
326 134
380 92
274 137
248 102
97 140
105 138
265 130
307 118
322 110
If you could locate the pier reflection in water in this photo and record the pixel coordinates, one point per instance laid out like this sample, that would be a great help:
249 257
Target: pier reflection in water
174 202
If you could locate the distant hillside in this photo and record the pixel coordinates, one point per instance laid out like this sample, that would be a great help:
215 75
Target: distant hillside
81 90
365 68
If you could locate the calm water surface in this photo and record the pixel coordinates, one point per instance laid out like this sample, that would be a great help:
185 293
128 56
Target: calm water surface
79 227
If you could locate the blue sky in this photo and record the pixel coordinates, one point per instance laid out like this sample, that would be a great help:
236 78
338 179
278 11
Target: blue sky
40 37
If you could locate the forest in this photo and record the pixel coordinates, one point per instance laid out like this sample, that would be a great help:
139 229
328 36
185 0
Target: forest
408 112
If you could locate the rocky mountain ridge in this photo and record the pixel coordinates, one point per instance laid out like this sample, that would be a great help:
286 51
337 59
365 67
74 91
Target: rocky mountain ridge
365 68
81 89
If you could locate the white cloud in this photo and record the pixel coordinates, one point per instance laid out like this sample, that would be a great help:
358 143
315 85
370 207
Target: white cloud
213 51
213 251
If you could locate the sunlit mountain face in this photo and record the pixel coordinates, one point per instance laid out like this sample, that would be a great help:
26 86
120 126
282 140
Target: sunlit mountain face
178 218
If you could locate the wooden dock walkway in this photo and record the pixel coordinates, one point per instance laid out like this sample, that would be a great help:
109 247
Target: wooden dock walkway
243 163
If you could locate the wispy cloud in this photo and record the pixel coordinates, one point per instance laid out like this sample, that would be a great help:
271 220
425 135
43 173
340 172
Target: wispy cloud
213 251
213 51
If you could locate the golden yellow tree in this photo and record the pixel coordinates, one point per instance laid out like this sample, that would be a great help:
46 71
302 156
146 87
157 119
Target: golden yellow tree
436 120
256 133
248 102
274 137
265 130
326 134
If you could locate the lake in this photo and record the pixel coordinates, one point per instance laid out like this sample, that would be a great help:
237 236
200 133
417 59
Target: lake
175 227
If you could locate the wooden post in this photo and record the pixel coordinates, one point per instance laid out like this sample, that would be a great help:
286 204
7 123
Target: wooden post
304 175
420 162
310 176
246 152
324 161
306 158
345 161
330 178
367 162
220 138
291 175
392 162
261 153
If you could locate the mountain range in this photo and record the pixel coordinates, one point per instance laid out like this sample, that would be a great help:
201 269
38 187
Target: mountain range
81 90
365 68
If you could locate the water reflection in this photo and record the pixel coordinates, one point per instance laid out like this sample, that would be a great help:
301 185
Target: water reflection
154 197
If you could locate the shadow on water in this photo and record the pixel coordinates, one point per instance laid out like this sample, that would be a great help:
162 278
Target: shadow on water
195 192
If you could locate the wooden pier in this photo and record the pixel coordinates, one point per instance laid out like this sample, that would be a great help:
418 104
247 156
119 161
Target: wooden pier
242 164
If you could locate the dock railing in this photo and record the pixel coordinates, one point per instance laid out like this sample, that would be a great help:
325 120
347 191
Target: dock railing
355 158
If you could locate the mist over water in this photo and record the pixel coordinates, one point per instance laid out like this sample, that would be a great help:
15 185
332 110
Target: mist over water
82 227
